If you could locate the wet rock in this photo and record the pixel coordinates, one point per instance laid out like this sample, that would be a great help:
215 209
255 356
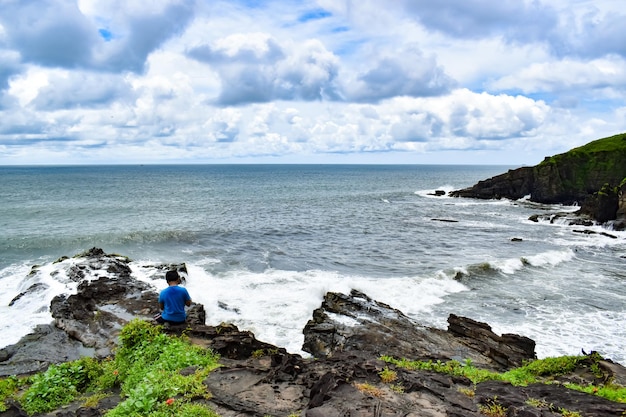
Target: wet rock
33 289
355 322
508 350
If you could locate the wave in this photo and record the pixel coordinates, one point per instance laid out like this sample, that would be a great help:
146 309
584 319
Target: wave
509 266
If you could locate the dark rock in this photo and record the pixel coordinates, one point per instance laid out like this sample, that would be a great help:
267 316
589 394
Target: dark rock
602 205
445 220
46 345
514 185
438 193
227 340
358 323
508 350
33 289
550 397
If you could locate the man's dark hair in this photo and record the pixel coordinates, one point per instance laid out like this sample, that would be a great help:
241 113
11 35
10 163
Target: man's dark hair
172 276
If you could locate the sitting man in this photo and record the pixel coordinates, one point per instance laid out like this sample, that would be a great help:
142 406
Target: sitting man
172 300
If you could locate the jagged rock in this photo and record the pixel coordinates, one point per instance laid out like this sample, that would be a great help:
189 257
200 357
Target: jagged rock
445 220
508 350
602 205
358 323
620 215
88 322
35 288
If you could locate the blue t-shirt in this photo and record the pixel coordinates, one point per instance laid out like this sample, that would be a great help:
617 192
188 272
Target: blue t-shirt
173 299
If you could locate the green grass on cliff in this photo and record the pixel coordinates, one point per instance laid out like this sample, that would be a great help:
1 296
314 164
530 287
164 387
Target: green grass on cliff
537 371
615 143
145 369
581 167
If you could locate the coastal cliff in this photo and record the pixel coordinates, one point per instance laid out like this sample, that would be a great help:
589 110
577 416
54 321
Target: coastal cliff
367 359
592 176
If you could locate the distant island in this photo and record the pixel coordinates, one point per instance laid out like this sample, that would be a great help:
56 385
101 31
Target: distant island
592 176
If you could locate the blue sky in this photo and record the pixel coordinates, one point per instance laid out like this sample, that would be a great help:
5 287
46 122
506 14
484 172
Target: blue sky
327 81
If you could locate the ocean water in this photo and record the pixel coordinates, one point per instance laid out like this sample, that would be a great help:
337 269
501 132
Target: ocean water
264 243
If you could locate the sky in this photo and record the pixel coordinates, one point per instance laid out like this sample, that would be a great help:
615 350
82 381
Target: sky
504 82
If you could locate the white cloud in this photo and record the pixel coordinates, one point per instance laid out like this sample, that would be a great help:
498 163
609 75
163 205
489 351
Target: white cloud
304 80
567 75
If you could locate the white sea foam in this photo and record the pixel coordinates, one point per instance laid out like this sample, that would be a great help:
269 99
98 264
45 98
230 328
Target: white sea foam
550 258
276 305
569 332
32 308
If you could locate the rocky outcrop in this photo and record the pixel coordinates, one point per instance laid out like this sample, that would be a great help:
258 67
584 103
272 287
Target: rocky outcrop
573 177
355 322
347 335
88 322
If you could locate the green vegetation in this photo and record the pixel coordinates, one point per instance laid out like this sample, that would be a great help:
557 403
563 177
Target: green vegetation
493 409
537 371
8 389
615 143
583 167
146 370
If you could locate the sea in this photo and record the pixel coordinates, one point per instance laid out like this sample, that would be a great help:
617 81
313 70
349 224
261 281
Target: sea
264 243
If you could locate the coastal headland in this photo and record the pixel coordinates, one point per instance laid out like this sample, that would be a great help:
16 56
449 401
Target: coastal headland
592 176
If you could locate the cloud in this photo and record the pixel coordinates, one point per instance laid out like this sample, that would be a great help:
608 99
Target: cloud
405 72
567 75
56 33
254 68
86 90
9 66
86 81
49 33
134 38
567 31
515 20
592 34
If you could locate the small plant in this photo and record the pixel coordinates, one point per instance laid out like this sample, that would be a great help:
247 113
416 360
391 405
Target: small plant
259 353
388 376
610 392
493 408
451 368
470 392
94 399
569 413
369 389
535 402
398 388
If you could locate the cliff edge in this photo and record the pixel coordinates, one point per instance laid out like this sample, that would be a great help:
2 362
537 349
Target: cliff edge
592 176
